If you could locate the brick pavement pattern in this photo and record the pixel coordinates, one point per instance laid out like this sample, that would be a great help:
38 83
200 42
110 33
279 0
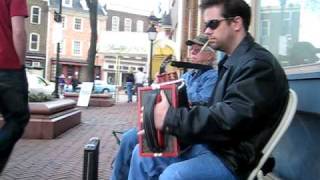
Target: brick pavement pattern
62 158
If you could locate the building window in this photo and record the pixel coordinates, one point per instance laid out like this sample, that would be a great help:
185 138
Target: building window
62 47
110 66
286 23
34 42
294 38
64 21
115 23
84 5
125 67
265 33
139 26
127 24
35 15
67 3
76 47
77 24
36 64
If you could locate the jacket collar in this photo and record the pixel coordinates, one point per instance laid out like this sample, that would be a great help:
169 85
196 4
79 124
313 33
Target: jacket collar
242 48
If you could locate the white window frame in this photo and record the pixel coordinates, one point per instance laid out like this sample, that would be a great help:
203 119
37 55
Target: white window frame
115 23
74 24
65 4
140 26
127 25
84 5
30 42
288 19
36 64
73 46
32 14
268 24
64 23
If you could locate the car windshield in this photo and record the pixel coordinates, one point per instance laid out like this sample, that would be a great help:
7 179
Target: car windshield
42 81
35 79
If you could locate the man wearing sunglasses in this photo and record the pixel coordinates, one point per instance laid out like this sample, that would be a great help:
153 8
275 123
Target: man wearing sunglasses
248 100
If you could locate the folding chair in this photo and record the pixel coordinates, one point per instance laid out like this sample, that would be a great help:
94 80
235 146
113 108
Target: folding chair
275 138
115 134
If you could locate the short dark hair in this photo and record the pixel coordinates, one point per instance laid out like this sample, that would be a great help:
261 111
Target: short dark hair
231 8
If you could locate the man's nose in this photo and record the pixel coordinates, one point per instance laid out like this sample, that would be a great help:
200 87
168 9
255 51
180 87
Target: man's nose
208 31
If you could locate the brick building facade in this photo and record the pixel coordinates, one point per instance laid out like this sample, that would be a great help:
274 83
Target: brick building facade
36 28
76 39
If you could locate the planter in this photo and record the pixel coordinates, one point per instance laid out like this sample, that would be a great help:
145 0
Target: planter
96 100
50 119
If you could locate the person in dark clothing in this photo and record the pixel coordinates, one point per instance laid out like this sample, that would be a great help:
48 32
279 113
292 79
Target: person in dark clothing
129 85
74 83
250 96
13 81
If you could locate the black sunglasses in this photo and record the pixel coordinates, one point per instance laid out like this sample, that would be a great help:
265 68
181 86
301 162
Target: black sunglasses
214 23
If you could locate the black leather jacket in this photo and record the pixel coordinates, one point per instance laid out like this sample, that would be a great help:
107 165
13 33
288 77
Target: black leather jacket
247 102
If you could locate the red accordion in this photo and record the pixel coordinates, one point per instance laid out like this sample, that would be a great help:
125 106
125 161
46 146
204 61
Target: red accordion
154 143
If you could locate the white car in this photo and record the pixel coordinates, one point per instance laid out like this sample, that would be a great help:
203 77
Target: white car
37 84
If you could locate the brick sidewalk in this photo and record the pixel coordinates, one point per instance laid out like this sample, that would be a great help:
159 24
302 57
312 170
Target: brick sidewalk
62 158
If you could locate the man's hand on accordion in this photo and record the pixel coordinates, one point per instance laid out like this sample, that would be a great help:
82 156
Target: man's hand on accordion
160 111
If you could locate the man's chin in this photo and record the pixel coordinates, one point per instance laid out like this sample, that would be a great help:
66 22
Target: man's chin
214 45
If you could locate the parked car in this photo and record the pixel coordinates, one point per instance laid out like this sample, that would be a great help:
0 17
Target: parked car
99 87
38 84
103 87
69 88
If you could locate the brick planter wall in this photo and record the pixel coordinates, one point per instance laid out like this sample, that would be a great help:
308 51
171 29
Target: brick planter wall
50 119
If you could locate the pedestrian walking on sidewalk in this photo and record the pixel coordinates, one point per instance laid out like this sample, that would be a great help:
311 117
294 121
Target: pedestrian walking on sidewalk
129 85
13 82
140 78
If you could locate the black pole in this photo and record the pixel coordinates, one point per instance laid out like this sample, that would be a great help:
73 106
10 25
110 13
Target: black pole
58 19
150 65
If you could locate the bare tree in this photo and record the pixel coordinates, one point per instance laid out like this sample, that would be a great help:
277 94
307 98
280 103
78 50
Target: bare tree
93 6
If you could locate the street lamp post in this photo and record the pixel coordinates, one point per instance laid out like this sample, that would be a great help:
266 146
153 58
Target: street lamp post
58 19
152 35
